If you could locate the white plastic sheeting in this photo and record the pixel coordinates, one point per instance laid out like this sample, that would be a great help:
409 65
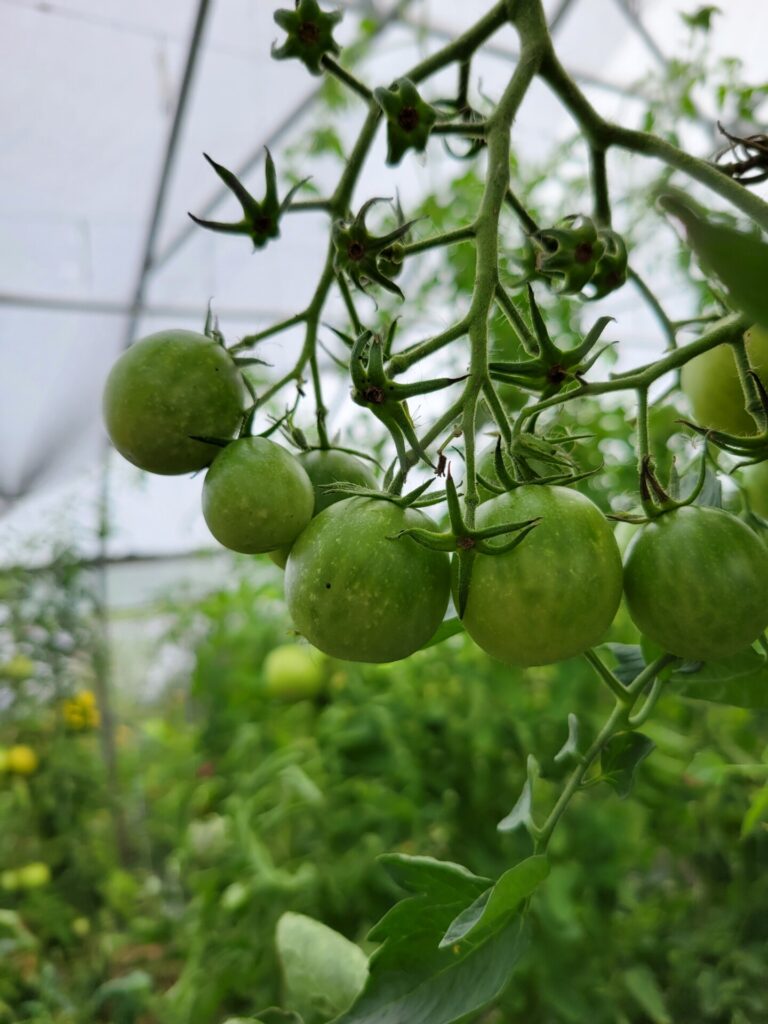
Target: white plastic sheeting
87 94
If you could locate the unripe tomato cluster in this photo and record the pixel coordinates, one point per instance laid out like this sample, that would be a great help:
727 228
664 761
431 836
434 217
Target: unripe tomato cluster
696 579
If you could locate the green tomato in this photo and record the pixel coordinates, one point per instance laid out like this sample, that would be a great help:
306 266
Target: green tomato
256 496
696 583
755 481
167 388
713 388
555 594
328 467
34 876
355 592
294 672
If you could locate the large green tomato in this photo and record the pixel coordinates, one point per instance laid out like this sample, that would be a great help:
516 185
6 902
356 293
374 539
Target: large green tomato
355 593
713 388
167 388
696 583
755 480
294 672
256 496
328 467
555 594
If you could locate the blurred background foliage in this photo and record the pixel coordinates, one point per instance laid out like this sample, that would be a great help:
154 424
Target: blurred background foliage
240 805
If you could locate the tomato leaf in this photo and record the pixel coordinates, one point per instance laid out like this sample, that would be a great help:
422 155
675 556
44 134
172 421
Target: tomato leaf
620 758
737 259
493 908
322 970
741 680
446 629
522 812
411 978
569 752
630 661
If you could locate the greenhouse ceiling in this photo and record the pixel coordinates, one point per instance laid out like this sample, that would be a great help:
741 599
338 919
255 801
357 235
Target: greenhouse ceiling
107 107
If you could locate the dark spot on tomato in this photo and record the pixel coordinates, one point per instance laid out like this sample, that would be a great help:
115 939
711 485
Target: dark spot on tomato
556 374
356 251
583 252
327 586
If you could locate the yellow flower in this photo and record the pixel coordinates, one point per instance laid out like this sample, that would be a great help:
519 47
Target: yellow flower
22 759
80 711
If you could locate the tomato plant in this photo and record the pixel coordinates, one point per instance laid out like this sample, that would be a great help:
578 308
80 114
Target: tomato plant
164 391
557 593
537 575
696 581
256 496
357 592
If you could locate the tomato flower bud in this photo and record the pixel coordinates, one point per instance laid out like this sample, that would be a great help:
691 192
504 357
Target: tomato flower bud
409 118
309 34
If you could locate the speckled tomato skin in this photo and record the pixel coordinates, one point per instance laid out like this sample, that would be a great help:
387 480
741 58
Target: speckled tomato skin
696 583
256 496
166 387
712 384
356 594
555 594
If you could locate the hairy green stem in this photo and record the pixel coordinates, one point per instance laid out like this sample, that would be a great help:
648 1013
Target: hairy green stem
752 401
644 376
603 134
618 720
447 238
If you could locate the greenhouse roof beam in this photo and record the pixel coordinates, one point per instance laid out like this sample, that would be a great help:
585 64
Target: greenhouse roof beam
146 264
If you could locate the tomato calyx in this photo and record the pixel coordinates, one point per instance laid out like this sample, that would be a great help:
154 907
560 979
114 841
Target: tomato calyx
658 500
468 541
409 118
309 34
550 367
260 220
358 251
385 397
517 471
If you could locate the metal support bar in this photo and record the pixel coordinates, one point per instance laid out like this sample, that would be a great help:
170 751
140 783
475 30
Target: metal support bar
111 307
165 171
634 20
